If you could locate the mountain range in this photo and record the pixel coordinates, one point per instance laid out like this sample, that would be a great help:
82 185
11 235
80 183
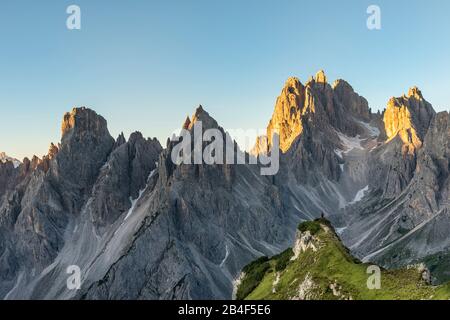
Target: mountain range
141 227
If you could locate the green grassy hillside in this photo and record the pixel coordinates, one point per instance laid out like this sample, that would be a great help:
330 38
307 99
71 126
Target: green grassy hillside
324 269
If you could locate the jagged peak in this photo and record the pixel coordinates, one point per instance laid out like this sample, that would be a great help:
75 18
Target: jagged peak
393 102
310 81
321 77
33 163
72 118
135 136
409 117
82 120
119 141
292 86
199 110
414 97
415 92
292 82
76 111
405 100
200 114
53 150
341 83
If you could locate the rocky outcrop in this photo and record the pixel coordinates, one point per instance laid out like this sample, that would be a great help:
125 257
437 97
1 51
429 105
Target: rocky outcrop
304 241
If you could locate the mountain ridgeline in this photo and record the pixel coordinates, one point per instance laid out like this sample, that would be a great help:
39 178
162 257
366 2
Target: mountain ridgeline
142 227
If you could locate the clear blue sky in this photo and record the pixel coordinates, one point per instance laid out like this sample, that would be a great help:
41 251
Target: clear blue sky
145 65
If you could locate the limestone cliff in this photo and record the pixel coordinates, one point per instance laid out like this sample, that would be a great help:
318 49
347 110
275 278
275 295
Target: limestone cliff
408 117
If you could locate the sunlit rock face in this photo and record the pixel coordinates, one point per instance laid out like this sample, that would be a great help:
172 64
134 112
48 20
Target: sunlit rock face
309 119
316 101
408 117
289 108
261 146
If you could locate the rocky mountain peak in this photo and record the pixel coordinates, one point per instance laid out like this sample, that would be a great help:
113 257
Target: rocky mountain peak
326 106
292 85
408 117
135 136
321 77
415 92
199 110
82 121
52 150
85 147
201 115
286 118
120 140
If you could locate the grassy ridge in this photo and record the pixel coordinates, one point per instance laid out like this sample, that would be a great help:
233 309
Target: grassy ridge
331 272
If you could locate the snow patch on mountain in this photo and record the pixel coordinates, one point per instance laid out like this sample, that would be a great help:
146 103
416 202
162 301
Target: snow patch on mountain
359 195
349 143
141 192
374 132
227 253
